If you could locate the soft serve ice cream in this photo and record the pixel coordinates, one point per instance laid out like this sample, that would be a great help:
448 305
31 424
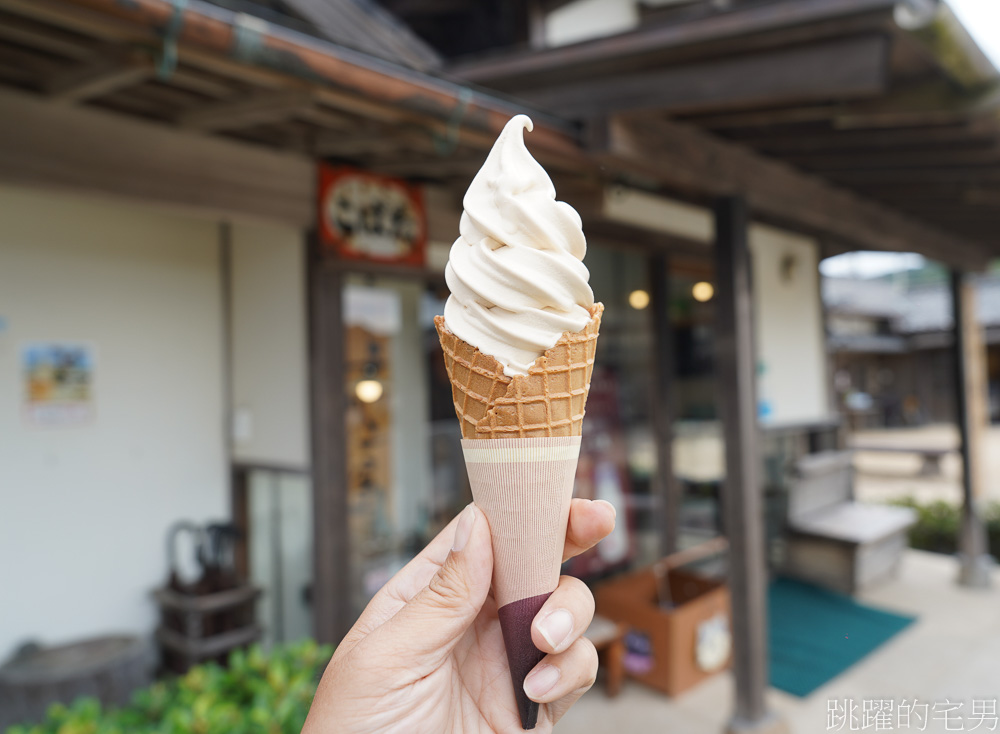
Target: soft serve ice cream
516 272
519 338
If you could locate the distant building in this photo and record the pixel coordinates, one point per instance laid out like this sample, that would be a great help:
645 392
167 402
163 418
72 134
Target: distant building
889 341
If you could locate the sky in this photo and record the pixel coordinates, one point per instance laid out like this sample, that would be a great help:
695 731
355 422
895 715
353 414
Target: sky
982 19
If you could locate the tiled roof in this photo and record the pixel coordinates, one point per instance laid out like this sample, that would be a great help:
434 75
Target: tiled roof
919 309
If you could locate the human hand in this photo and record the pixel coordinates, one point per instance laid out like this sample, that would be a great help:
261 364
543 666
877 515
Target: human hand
427 655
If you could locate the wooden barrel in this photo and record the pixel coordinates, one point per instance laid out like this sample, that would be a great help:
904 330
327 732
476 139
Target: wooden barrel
107 668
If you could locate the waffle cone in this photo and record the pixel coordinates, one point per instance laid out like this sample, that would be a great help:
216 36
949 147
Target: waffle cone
548 401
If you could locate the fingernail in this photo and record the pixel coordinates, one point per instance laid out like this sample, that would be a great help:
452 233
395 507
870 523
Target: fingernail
556 627
613 510
540 680
463 531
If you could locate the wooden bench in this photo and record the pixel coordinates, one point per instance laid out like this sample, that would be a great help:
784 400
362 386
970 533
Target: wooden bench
931 466
832 540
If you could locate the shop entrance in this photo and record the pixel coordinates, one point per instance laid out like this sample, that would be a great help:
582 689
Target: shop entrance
389 441
405 474
622 457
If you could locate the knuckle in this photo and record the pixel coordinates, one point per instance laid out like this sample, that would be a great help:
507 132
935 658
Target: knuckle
447 589
577 590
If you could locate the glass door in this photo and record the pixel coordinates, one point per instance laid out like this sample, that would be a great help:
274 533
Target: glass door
404 468
698 448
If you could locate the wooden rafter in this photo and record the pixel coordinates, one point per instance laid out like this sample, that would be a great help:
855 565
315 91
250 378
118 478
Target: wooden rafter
261 108
789 140
682 157
99 77
874 159
743 25
844 68
371 142
36 35
925 175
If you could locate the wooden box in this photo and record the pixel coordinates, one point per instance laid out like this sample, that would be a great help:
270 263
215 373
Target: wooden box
670 649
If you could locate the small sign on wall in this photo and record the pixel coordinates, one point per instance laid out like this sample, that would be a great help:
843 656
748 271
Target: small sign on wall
58 380
364 216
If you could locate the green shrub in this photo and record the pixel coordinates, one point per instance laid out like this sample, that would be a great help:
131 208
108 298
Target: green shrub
938 525
256 694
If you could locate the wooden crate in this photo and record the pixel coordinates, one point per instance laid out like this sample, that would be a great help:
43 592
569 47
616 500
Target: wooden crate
673 641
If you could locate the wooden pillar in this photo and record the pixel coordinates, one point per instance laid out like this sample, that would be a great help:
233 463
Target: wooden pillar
665 485
972 400
736 372
332 615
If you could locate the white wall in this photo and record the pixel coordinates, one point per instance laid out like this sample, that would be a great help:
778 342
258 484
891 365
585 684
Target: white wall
269 345
84 511
586 19
789 326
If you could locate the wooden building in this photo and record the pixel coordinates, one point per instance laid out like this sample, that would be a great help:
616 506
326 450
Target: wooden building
890 342
833 124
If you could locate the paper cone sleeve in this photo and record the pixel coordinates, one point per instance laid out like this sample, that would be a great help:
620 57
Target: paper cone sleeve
524 487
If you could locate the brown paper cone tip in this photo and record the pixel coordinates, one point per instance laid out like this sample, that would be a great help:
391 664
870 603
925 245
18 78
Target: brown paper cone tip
548 401
522 655
524 486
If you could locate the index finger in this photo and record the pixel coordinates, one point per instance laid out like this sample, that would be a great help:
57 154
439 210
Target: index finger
590 521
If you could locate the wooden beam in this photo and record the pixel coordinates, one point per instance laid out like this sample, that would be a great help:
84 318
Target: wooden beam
31 64
80 147
331 120
972 396
982 196
790 139
874 159
332 608
258 109
684 158
428 168
923 98
735 365
409 8
625 236
371 140
724 29
930 192
767 119
928 175
35 35
833 69
99 77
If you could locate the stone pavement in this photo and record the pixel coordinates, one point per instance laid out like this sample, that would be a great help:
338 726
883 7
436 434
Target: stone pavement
951 653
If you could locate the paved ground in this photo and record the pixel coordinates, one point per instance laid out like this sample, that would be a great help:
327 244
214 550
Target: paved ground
952 653
886 476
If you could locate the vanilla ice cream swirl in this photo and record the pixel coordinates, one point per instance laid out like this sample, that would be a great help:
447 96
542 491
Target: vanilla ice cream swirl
516 273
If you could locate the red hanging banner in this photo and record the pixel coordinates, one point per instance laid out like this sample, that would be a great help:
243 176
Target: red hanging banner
365 216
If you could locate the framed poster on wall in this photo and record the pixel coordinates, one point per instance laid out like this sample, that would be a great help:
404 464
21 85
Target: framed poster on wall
58 384
365 216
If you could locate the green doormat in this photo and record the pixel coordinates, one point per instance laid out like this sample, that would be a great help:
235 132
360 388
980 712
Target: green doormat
815 634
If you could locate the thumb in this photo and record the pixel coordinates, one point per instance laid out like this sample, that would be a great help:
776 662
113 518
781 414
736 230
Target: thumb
427 628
